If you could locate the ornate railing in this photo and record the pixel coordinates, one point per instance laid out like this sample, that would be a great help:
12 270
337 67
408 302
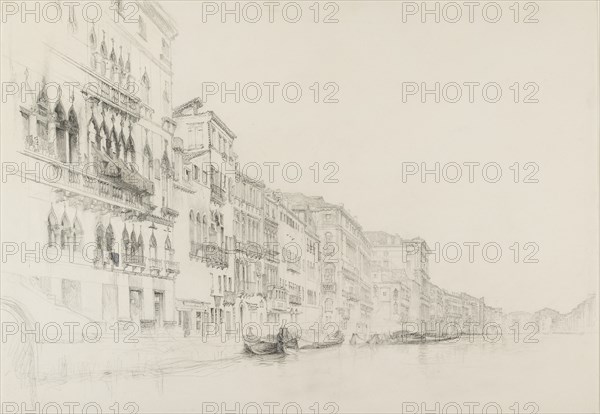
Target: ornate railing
329 287
171 266
155 264
134 260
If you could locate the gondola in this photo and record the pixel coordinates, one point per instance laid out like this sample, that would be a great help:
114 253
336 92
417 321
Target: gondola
283 343
334 340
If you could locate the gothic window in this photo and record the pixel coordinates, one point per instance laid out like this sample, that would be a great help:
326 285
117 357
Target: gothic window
99 241
130 149
73 131
42 120
197 226
122 145
112 143
147 161
65 231
153 246
140 245
61 132
52 227
192 229
110 239
125 241
133 244
329 305
168 249
103 138
93 39
93 131
204 226
212 233
77 232
103 50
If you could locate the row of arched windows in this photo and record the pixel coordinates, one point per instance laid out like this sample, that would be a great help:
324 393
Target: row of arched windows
68 232
65 232
112 143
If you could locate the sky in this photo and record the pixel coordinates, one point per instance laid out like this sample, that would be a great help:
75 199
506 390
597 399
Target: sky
366 135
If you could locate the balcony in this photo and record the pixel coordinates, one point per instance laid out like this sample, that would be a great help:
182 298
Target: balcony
211 254
171 266
229 298
276 297
155 265
217 194
125 189
329 287
295 299
134 261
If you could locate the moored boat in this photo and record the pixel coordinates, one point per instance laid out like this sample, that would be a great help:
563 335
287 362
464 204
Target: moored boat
283 343
331 340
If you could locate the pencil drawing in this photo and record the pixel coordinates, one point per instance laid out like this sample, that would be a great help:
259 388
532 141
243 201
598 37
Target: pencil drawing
147 267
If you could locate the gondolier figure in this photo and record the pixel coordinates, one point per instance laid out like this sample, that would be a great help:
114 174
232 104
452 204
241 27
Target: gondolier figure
280 339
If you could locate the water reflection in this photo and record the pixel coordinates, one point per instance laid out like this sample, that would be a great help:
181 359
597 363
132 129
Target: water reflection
559 374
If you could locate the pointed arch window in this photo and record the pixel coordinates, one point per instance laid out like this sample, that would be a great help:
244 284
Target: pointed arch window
61 131
77 232
109 239
204 226
192 231
42 122
93 131
93 39
133 245
125 242
113 142
147 161
130 149
168 249
140 246
52 228
153 247
104 138
99 242
73 131
65 231
122 145
198 228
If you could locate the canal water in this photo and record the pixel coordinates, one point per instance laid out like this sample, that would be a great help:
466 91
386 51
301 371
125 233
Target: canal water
558 374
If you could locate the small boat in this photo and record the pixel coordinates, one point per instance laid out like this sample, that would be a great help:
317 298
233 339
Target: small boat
417 338
331 340
283 343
